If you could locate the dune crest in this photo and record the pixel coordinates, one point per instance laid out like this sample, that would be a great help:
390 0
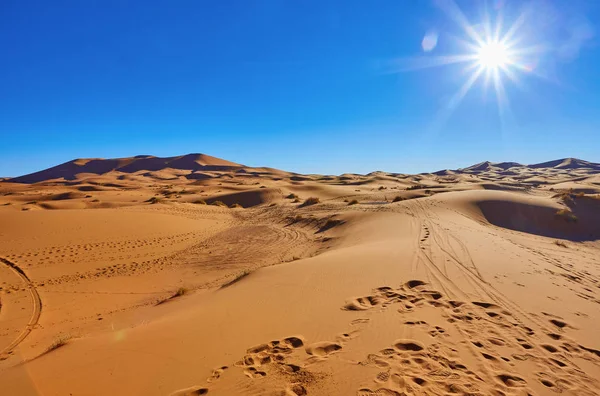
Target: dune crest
193 275
98 166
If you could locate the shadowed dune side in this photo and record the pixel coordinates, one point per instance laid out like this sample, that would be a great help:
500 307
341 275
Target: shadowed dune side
66 196
69 170
567 163
577 187
247 198
89 188
576 220
198 176
387 284
545 220
98 166
502 186
189 162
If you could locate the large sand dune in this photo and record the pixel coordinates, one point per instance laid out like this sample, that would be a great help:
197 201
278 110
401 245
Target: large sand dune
193 275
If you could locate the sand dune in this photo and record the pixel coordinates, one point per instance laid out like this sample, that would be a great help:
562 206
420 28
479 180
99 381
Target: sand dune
193 275
70 170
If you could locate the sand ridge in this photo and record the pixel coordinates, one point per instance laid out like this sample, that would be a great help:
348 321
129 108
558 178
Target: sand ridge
193 275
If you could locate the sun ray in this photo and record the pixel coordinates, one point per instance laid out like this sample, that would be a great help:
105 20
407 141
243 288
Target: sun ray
531 50
486 81
498 29
514 27
495 50
470 47
462 91
500 94
503 103
455 13
446 111
512 76
425 62
487 22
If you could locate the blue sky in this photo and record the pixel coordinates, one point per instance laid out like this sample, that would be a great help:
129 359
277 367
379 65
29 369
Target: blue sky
307 86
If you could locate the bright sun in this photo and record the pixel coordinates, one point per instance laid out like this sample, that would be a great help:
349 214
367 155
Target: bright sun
489 51
492 55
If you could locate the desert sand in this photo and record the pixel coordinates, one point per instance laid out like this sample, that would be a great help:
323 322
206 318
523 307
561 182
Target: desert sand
194 275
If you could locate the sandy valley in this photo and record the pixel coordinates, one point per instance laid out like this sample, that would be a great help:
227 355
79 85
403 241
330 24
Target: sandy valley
194 275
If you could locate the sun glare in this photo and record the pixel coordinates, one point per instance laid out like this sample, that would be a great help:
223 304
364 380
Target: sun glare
493 51
492 55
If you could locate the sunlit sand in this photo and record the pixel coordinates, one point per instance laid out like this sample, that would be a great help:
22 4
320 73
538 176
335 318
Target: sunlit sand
194 275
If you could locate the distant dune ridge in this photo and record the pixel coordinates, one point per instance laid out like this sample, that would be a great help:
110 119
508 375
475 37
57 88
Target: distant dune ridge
98 166
193 275
565 163
198 163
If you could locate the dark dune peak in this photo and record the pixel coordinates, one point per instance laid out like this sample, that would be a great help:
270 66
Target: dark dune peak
197 163
507 165
482 166
567 163
99 166
564 163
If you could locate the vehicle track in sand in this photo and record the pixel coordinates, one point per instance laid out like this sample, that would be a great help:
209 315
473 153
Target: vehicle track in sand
437 254
440 254
35 300
491 328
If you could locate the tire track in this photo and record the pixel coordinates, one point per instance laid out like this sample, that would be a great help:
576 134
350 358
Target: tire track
425 253
35 300
471 273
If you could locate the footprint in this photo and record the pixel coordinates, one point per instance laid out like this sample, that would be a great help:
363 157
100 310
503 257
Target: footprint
512 381
377 360
411 284
323 348
291 368
265 355
432 294
378 392
362 303
415 323
558 362
387 351
382 377
488 356
419 381
485 304
550 348
296 390
547 383
436 331
252 372
408 345
192 391
496 341
216 374
294 342
346 336
558 323
591 350
485 324
437 304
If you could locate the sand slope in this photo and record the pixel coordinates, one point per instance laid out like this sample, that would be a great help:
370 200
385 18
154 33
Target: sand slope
70 170
460 282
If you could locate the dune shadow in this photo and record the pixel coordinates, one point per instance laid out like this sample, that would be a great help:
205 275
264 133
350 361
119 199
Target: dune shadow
581 223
